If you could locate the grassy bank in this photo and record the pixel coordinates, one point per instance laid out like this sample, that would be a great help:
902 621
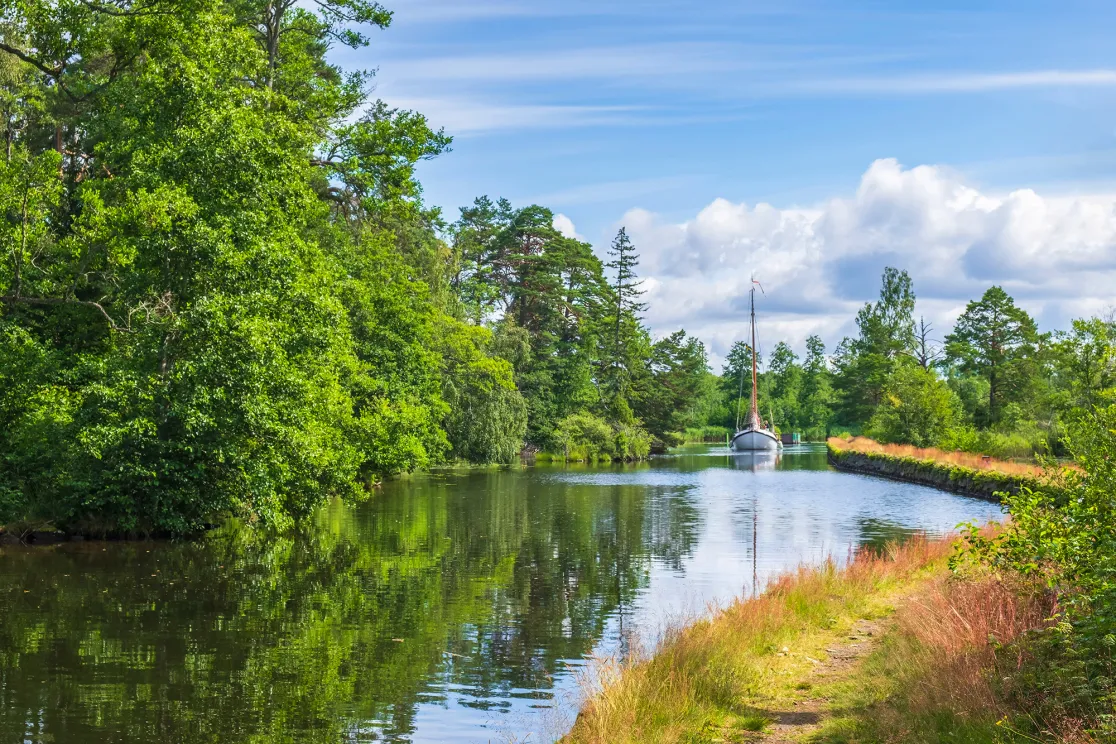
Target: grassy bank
890 648
960 472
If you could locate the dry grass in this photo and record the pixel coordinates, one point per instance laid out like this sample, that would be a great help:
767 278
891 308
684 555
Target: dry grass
956 458
946 670
961 631
714 673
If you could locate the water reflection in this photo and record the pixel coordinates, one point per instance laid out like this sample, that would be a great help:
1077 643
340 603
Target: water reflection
755 461
448 608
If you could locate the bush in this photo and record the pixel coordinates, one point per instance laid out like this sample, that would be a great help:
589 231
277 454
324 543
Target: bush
1025 442
917 408
585 437
1066 536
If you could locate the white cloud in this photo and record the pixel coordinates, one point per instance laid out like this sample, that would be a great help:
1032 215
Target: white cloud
565 225
468 116
1057 255
961 82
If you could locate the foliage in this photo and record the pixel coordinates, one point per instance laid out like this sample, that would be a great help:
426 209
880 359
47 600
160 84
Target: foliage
487 416
886 333
997 341
917 408
585 437
665 399
1066 537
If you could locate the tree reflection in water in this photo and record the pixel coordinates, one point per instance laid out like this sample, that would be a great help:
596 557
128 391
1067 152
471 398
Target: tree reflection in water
476 587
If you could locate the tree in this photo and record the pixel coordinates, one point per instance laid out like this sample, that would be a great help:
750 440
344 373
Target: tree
487 416
817 391
784 376
210 305
1085 363
918 408
996 340
666 400
886 332
512 266
626 306
736 375
926 351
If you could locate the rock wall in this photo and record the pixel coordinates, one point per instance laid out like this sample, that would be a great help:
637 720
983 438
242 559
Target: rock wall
983 484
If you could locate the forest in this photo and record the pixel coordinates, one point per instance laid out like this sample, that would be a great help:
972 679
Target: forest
994 384
221 291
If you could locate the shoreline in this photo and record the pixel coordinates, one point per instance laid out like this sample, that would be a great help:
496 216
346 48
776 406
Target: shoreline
987 484
889 641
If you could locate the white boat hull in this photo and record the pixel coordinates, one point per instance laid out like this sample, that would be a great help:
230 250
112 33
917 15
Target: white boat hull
755 440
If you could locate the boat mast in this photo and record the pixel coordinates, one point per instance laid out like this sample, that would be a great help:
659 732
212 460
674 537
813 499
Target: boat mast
755 411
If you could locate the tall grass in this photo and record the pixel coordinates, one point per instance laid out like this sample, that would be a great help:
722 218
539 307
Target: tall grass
712 672
706 434
955 457
947 671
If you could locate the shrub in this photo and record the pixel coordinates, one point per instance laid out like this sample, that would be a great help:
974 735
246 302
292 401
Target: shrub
1067 537
917 408
585 437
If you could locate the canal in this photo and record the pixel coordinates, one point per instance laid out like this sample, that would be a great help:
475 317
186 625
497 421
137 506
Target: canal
459 606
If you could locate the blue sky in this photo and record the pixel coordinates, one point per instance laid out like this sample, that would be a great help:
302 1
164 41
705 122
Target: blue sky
654 113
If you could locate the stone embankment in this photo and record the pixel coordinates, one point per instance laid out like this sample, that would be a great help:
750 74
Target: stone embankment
980 483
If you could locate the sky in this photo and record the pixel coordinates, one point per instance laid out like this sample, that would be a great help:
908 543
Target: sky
807 143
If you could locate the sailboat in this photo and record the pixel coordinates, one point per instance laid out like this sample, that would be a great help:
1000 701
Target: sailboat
753 437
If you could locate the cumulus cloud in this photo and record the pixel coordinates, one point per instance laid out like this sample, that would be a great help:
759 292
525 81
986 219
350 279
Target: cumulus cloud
565 225
1056 255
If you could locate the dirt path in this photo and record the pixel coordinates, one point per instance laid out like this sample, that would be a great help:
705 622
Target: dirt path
806 714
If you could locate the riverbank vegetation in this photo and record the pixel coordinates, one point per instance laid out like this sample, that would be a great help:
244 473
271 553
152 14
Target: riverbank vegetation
959 472
782 665
1009 640
953 458
222 292
993 385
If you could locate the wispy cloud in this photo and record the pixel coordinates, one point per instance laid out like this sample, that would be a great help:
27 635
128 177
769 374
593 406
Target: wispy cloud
611 191
470 116
959 82
448 11
611 62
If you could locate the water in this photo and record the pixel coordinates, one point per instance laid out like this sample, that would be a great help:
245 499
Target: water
455 607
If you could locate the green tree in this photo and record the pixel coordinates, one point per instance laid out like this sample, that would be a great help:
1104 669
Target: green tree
736 376
1085 363
817 391
211 306
885 333
625 309
785 378
997 341
513 264
918 408
667 400
487 416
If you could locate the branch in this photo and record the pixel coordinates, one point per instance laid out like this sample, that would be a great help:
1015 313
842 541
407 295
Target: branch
57 301
118 12
53 72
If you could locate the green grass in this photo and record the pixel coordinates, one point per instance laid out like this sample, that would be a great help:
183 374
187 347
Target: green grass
713 680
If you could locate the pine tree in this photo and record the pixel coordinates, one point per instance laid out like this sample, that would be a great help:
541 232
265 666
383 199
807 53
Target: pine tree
627 307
